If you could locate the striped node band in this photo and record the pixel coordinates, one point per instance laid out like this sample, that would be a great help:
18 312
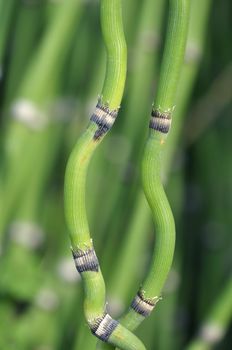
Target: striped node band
143 306
160 121
86 260
104 327
104 118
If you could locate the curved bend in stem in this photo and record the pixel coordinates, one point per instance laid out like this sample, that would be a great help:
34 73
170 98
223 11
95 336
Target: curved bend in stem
149 293
99 321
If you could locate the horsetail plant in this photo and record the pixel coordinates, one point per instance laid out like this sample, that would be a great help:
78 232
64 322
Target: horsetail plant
137 103
193 56
99 321
149 293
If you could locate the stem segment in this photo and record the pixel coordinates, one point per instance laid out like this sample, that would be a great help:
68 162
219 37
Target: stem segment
99 321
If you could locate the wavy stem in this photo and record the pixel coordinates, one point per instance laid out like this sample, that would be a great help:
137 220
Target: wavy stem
151 288
99 321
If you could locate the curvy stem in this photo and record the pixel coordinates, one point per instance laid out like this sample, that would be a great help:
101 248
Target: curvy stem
151 168
160 123
100 323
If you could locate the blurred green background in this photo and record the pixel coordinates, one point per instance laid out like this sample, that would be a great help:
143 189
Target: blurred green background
52 62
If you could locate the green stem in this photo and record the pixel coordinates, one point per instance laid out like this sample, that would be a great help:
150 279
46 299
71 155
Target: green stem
193 56
137 104
173 54
174 50
112 27
100 323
